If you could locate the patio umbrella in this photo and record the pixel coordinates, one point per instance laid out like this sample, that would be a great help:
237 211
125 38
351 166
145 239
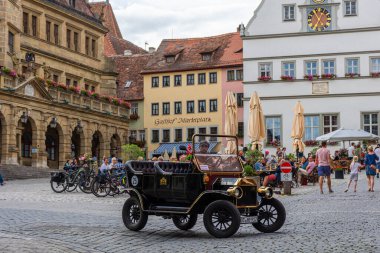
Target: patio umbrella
166 156
174 153
256 125
231 122
348 135
298 128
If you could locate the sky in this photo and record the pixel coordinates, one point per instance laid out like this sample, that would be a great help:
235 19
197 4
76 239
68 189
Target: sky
151 21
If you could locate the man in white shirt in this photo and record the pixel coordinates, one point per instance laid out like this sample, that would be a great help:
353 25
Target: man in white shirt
351 150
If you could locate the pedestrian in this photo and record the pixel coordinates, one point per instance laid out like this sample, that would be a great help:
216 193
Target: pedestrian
377 152
324 169
370 167
1 180
354 175
351 151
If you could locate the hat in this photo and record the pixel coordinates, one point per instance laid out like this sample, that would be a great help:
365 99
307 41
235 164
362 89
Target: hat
204 143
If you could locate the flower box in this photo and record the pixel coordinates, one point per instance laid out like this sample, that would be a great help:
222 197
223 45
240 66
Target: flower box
134 117
274 143
351 75
311 77
311 143
287 78
328 76
375 74
264 78
8 72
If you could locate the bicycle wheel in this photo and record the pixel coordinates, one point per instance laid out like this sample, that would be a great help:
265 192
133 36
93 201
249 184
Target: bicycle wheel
85 183
72 183
58 187
100 187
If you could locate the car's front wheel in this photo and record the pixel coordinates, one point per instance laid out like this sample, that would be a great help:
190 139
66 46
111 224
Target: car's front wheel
185 222
221 219
272 216
134 217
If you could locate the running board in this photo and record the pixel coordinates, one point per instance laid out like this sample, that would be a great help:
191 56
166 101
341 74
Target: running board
168 209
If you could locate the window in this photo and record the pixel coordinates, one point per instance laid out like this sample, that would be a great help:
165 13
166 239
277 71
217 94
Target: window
202 78
350 8
190 79
155 136
190 106
239 99
352 66
330 123
93 48
177 80
240 129
235 75
371 123
170 59
213 130
202 130
34 26
11 42
165 108
68 38
178 107
68 82
213 105
166 135
87 45
135 108
328 67
230 75
142 135
25 22
289 14
265 69
76 41
56 34
178 135
86 87
239 75
311 68
55 78
165 81
155 81
133 135
75 83
213 77
289 69
201 105
155 110
48 32
190 133
375 65
273 127
72 3
206 57
311 127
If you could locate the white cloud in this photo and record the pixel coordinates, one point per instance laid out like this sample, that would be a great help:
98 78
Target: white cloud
154 20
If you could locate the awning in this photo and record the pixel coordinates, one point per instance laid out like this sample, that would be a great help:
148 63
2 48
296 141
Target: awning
348 135
169 147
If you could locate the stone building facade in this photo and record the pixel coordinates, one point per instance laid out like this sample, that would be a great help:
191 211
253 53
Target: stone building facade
58 90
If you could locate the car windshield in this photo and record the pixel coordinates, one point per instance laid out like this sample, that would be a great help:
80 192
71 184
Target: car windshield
217 154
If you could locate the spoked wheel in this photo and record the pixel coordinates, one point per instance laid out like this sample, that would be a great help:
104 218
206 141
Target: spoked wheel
221 219
58 187
272 216
72 183
185 222
85 183
133 216
100 188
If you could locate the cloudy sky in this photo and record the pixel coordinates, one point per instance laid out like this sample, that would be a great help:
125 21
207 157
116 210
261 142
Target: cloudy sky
151 21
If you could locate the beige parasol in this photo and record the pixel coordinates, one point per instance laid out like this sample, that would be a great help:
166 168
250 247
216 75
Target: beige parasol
231 122
298 128
256 125
174 154
166 156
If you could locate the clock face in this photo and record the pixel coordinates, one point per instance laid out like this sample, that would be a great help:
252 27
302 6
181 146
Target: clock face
319 1
319 19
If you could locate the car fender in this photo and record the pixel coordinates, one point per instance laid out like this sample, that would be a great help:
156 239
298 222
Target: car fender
207 197
135 193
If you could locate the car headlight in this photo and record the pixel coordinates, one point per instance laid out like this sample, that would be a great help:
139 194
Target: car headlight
265 192
236 192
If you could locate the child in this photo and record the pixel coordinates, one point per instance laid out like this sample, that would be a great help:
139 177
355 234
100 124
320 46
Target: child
354 176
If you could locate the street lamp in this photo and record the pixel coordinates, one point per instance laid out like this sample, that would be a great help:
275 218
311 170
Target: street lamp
79 126
53 122
24 117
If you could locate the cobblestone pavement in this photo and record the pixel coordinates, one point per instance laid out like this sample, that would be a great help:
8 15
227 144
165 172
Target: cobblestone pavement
34 219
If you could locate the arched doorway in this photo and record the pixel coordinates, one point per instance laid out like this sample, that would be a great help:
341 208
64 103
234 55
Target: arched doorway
53 137
97 146
115 145
27 141
76 143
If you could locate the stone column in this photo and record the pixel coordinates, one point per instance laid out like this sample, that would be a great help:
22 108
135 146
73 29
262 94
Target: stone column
40 159
10 148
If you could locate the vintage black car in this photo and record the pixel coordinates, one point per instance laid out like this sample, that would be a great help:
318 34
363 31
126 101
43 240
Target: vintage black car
211 184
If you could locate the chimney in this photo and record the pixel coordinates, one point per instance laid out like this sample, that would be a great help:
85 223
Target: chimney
127 52
152 50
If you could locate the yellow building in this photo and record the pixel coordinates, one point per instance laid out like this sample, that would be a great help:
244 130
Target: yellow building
183 91
57 87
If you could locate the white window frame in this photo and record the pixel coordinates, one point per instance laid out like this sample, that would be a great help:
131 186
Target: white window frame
313 126
266 128
329 67
284 70
135 108
284 9
350 12
370 125
266 68
316 67
331 126
371 66
347 66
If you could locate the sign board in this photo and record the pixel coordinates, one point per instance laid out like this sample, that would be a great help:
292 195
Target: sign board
286 167
321 88
34 150
286 177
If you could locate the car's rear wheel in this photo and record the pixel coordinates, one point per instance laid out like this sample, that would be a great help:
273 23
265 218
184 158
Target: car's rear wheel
134 217
185 222
221 219
272 216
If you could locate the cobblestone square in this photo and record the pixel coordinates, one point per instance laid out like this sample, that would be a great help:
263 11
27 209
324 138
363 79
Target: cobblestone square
34 219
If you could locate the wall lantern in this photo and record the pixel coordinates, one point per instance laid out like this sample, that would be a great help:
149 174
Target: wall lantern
79 126
53 122
24 117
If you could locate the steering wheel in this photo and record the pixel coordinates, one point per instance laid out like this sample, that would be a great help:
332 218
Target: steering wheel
213 161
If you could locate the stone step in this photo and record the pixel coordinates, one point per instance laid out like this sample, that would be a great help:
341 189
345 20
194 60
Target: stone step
12 172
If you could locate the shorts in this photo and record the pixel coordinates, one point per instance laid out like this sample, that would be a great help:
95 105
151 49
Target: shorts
354 177
272 177
369 171
324 171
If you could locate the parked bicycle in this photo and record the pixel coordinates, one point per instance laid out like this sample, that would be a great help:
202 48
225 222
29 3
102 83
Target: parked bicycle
109 183
69 180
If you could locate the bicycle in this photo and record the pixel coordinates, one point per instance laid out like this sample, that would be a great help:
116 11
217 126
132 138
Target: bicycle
68 180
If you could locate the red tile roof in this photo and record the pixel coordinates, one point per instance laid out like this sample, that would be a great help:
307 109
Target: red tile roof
226 51
105 12
81 6
130 68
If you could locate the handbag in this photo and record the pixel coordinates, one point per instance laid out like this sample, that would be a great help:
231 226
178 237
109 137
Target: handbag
373 167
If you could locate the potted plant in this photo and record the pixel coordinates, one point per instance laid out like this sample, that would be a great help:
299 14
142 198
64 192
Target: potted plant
375 74
287 78
249 172
264 78
351 75
134 117
328 76
339 174
311 77
311 143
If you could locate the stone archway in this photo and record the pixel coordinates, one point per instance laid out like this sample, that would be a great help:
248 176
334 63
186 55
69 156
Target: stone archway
115 145
27 141
97 146
77 142
53 142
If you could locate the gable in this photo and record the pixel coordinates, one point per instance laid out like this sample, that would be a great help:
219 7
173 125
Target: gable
33 87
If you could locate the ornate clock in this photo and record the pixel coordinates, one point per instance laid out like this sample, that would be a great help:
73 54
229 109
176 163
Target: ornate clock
319 1
319 19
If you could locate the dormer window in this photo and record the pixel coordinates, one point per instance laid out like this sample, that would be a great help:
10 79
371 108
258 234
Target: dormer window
128 84
206 56
170 59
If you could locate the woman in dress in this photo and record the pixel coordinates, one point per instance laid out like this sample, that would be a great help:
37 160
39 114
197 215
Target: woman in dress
370 168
